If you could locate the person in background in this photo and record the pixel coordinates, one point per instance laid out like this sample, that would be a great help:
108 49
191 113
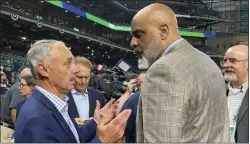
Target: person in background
235 65
132 103
131 85
27 83
9 108
10 101
183 97
8 70
3 85
16 69
82 99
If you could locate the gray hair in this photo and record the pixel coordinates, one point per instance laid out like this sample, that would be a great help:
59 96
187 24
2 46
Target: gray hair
39 52
30 80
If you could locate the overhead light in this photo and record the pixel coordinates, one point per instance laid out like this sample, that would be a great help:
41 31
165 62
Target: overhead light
106 52
69 48
92 54
24 38
78 16
102 55
88 47
68 2
92 51
41 1
66 11
108 56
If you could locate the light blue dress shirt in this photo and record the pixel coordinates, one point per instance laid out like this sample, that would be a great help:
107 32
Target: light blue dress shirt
82 103
171 46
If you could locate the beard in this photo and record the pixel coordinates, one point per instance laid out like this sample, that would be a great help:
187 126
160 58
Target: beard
143 63
152 52
230 77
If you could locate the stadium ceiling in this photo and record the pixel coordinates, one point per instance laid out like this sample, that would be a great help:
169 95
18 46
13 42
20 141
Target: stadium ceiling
79 12
19 29
124 10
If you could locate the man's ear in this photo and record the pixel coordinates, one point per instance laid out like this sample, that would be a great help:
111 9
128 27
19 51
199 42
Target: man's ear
43 70
164 32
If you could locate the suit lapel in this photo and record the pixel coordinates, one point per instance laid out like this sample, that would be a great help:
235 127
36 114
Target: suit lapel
91 102
77 128
72 106
38 95
244 107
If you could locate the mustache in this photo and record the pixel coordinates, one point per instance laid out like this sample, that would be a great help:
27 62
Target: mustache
229 71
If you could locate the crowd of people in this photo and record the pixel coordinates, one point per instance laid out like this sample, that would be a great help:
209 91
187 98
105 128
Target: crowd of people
182 97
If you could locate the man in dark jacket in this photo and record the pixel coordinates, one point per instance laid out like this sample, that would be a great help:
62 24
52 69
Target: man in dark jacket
82 99
44 116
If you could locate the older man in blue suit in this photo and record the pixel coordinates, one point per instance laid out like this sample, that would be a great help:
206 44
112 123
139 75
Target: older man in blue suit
44 116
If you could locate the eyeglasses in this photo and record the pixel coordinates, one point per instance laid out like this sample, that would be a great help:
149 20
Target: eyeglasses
23 85
231 61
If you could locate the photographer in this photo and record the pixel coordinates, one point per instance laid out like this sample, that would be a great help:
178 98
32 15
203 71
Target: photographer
131 86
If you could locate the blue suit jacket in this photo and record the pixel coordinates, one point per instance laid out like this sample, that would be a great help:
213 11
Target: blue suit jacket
130 131
93 96
39 121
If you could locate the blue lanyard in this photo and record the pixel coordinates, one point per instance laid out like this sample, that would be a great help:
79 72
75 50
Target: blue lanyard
171 46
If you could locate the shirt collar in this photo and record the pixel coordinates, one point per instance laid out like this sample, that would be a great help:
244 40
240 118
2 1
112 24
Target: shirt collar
242 88
78 93
60 103
170 46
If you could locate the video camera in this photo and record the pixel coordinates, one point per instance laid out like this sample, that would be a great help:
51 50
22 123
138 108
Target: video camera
110 81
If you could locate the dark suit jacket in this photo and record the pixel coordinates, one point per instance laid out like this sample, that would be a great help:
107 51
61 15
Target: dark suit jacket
130 131
39 121
93 96
242 124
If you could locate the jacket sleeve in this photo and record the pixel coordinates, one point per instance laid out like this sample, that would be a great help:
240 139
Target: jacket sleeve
88 132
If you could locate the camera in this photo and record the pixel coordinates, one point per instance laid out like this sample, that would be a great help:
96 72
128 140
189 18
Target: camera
110 81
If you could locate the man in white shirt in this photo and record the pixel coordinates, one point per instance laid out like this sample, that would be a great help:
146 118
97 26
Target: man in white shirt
235 64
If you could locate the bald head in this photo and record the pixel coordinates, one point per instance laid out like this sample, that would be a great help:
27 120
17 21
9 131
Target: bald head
25 71
240 51
157 15
154 28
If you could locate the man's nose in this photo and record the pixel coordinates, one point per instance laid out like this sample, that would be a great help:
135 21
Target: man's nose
133 43
226 64
84 80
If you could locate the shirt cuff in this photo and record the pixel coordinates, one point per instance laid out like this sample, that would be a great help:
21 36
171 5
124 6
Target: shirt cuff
95 121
